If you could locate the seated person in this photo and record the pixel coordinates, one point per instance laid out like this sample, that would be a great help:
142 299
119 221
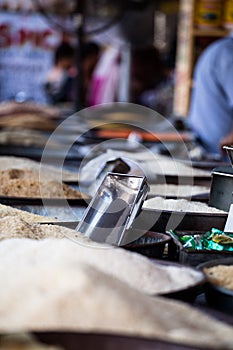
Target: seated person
59 84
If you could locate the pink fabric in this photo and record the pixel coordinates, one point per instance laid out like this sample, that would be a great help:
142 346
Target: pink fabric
97 86
104 85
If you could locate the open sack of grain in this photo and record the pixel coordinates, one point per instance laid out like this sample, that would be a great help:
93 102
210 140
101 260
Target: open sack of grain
180 205
28 183
45 170
151 164
10 212
52 283
179 191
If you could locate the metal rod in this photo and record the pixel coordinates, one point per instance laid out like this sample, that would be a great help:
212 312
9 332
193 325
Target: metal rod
79 18
125 74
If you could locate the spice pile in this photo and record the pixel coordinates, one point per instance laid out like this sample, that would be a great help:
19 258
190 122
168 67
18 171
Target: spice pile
26 183
221 275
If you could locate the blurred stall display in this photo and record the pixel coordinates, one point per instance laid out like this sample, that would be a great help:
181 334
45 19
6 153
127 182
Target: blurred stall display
208 14
228 14
26 52
27 115
30 121
120 23
49 171
191 41
25 138
14 108
53 6
17 5
165 30
61 7
152 82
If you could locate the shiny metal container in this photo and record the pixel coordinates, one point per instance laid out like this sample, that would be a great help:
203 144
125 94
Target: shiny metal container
112 210
221 192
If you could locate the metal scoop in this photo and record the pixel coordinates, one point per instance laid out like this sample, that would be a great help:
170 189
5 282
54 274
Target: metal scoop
111 212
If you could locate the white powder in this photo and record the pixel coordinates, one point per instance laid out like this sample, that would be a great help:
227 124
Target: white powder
134 269
151 165
160 165
46 287
180 205
16 227
6 210
177 190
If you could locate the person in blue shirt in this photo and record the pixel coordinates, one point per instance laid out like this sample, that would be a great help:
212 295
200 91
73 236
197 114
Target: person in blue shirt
211 108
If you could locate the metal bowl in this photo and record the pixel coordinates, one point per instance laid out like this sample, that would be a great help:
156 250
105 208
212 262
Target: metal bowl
189 293
74 341
151 244
216 296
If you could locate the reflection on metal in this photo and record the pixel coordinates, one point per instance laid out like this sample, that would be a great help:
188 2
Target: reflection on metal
117 165
221 192
229 150
221 188
91 179
112 210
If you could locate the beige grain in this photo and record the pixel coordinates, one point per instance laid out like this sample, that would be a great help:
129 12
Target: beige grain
26 183
221 275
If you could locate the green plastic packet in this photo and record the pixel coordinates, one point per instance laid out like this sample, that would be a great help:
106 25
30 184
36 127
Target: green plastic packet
212 240
188 241
217 240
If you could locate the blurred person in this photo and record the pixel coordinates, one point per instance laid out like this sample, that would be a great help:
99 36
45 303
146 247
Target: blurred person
151 80
60 81
211 108
90 57
104 85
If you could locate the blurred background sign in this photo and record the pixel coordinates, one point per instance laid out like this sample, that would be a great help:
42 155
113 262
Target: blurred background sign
27 43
